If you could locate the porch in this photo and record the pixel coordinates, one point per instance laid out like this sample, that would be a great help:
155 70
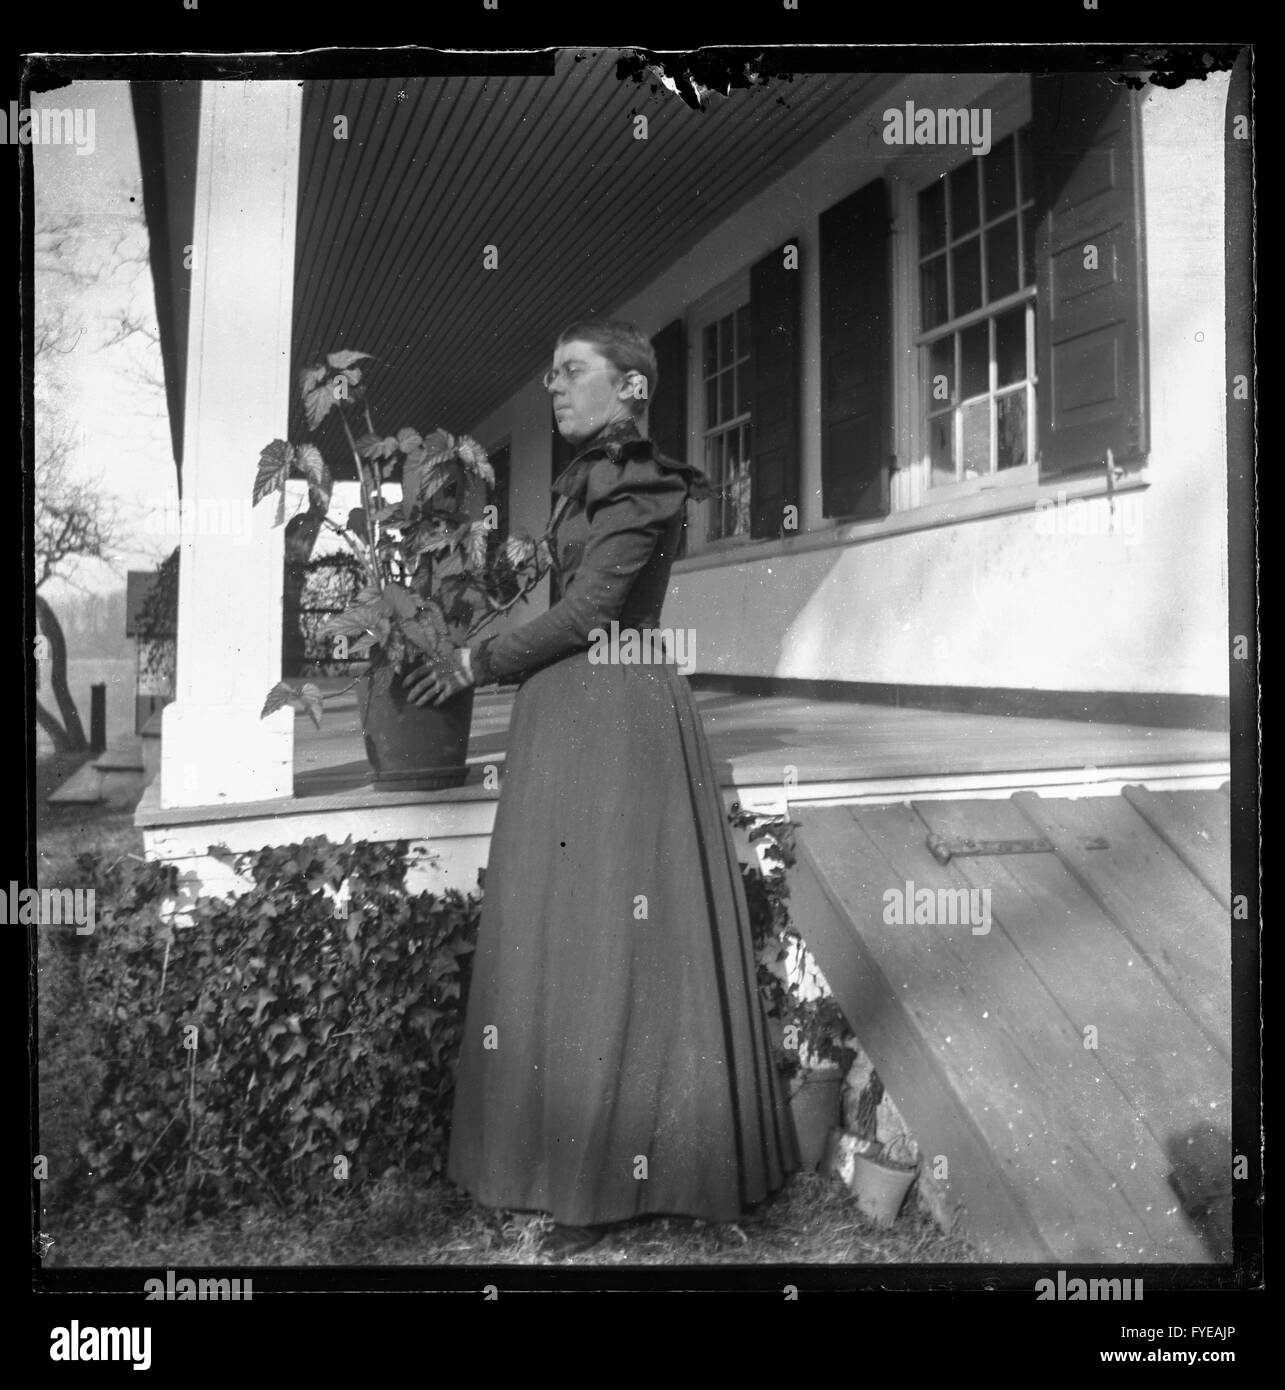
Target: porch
770 750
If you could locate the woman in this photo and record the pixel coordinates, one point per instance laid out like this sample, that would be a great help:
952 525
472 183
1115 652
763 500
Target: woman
615 1061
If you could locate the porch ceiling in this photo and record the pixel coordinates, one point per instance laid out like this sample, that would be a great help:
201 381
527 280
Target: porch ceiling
394 219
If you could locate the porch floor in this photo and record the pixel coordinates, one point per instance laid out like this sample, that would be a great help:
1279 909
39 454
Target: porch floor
833 748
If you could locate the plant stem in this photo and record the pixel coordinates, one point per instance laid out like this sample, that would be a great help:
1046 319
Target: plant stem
372 526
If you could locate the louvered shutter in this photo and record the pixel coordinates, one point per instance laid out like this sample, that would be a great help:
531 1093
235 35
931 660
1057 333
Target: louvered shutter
1090 319
856 354
774 390
667 411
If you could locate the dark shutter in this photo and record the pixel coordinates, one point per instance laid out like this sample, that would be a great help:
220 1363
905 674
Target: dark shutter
667 411
856 354
1090 349
774 391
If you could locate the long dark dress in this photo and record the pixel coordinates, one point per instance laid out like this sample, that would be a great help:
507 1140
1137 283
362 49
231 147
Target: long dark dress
615 1060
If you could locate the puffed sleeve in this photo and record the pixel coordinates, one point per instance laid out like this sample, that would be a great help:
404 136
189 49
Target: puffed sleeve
629 505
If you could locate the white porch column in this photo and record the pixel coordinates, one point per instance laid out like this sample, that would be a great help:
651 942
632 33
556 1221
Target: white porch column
214 747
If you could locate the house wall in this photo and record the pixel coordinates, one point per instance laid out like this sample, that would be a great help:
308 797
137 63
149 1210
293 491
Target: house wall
969 592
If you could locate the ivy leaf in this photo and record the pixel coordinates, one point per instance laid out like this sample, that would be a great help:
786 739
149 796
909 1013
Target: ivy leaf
352 621
357 522
274 468
409 440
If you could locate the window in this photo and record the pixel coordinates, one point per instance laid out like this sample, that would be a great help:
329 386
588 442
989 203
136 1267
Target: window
725 398
977 314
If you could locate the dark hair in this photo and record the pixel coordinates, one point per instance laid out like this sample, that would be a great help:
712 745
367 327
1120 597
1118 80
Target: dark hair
622 345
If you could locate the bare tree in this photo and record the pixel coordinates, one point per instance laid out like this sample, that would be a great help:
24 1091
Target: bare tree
75 518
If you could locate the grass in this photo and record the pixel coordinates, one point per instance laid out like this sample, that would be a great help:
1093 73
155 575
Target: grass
813 1221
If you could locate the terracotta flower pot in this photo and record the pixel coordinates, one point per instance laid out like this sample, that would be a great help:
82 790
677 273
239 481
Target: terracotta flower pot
880 1185
815 1107
413 747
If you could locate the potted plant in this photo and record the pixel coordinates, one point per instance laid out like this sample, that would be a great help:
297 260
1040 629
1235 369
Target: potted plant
813 1044
434 574
881 1177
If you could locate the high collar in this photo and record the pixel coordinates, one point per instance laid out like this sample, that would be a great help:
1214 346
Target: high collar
621 441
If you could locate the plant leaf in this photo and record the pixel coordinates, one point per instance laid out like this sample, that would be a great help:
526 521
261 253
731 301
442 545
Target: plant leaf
312 703
439 447
374 446
279 697
474 458
345 358
475 546
274 468
398 602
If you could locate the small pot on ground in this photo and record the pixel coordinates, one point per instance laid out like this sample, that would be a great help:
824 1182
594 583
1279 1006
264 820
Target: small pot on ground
814 1105
880 1183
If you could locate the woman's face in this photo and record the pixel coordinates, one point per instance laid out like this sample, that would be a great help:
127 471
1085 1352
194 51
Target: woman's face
587 391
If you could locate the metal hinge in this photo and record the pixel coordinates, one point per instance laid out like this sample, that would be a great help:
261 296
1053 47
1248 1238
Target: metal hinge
944 850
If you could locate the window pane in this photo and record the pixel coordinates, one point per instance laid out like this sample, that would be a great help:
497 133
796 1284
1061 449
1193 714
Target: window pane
709 357
941 447
726 400
1001 259
725 344
975 360
932 291
932 218
976 439
941 365
966 264
743 330
711 402
1028 247
1000 193
1012 429
963 199
1010 346
742 374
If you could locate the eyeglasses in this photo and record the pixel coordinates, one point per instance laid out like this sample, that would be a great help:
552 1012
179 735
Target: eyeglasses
573 371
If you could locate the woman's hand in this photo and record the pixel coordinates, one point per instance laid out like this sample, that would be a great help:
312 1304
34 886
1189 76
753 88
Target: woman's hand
434 682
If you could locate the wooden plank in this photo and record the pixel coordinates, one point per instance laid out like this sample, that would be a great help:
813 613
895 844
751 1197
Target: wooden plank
993 1209
942 1009
1168 1072
1197 827
1177 926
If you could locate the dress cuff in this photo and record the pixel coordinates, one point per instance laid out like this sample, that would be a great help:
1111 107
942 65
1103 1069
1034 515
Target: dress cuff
480 658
